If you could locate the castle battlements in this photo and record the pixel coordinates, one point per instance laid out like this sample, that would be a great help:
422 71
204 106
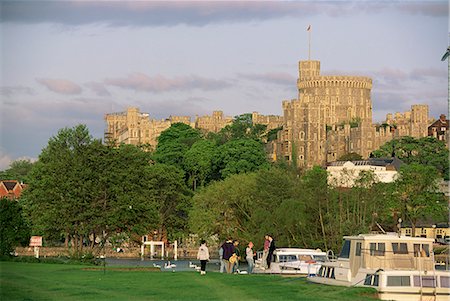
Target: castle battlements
327 81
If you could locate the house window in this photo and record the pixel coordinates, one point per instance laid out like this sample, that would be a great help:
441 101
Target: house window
399 248
398 281
377 249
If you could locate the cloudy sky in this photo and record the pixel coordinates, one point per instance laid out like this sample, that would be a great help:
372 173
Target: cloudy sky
70 62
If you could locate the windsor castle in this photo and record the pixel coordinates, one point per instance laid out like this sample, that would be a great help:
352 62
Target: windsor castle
331 117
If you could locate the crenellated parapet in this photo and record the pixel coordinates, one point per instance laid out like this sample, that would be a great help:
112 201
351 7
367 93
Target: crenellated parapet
357 82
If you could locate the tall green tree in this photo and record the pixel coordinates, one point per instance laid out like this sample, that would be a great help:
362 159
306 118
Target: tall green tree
167 190
14 230
80 189
198 162
417 196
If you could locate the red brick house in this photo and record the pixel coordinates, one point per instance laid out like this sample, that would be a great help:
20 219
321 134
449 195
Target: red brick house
439 128
11 189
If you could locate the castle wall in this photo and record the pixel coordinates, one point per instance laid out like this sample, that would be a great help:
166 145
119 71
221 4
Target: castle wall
332 116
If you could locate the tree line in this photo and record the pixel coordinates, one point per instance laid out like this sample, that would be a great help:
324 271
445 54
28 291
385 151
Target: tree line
85 192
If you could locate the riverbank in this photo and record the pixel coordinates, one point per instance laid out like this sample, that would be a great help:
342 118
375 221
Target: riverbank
31 281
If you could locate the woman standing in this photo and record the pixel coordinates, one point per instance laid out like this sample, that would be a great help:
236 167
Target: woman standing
249 256
203 256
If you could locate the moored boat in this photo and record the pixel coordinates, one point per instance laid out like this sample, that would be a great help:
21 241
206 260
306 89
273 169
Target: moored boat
398 267
293 261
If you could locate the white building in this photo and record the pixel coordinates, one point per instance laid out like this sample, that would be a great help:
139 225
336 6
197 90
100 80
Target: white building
346 173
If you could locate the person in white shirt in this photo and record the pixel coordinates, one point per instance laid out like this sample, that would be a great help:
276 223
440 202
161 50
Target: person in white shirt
203 256
249 256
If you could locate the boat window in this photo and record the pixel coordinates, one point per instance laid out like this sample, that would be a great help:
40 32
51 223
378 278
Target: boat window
377 249
320 258
371 279
287 258
358 249
330 273
321 271
345 252
399 248
421 250
398 281
427 281
445 281
305 257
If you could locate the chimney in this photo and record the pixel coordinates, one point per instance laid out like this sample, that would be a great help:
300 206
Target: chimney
442 117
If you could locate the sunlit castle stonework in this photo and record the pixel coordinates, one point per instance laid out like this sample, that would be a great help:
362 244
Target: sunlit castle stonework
332 116
134 127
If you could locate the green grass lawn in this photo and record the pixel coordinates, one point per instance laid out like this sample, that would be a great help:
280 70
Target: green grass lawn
35 281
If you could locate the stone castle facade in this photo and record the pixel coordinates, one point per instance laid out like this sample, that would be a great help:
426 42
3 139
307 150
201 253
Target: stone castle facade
134 127
331 116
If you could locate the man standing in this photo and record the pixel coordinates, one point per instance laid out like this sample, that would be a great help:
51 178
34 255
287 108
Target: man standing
271 250
228 251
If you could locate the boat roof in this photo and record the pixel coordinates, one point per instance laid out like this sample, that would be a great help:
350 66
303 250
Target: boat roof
389 237
299 251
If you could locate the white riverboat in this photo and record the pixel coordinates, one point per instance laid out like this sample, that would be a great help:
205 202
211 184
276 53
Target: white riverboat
293 261
398 267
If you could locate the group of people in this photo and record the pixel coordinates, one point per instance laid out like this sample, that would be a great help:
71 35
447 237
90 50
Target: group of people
229 255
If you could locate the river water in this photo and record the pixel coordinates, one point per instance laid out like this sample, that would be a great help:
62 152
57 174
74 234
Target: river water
181 265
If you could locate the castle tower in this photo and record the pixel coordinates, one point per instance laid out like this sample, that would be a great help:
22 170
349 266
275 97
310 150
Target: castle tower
325 103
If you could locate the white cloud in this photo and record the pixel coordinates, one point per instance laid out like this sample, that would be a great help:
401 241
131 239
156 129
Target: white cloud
141 82
61 86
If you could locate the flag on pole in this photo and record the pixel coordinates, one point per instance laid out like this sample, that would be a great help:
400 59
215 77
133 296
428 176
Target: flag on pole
309 28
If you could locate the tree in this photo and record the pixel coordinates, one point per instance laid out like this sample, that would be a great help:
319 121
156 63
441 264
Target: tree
417 196
14 230
426 151
80 189
224 208
174 142
167 190
241 128
198 162
18 170
239 156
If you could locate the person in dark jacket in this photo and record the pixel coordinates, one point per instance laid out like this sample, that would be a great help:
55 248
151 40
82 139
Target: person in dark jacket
271 250
228 251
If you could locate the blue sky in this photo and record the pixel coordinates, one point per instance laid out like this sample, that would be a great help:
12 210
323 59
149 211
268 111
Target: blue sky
70 62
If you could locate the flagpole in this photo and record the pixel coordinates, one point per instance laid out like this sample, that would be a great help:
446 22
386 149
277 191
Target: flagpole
309 43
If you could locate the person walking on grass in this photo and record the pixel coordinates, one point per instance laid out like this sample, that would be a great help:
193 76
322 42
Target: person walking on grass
203 256
249 256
